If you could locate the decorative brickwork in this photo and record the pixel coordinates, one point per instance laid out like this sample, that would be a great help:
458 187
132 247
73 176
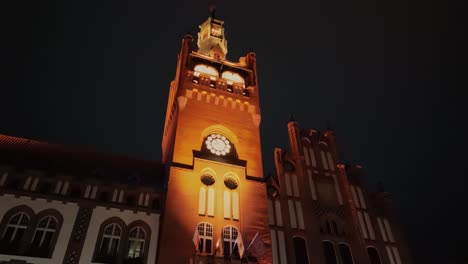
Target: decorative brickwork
78 236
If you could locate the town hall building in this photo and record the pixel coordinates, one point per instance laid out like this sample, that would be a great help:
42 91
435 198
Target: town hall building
207 200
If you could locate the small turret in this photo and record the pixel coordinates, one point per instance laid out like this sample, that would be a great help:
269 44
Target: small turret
211 38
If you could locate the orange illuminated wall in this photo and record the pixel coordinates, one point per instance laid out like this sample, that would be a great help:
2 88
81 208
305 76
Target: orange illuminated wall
204 103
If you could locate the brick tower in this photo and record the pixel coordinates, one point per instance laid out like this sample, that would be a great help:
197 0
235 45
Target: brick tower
211 145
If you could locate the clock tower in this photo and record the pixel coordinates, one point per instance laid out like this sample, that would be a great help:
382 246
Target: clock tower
211 145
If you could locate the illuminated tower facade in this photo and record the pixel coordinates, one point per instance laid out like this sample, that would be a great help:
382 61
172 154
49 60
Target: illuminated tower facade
211 145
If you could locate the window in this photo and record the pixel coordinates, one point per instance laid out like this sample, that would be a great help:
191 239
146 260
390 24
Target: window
271 213
295 185
117 241
205 231
110 240
204 69
373 255
345 253
300 250
279 217
208 180
229 239
15 229
287 180
233 77
324 160
43 236
330 161
329 252
231 198
136 242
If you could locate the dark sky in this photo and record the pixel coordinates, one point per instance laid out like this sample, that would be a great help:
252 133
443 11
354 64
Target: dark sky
385 74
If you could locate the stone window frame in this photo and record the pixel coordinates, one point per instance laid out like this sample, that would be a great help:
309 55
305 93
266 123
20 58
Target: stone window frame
34 225
26 241
143 225
121 256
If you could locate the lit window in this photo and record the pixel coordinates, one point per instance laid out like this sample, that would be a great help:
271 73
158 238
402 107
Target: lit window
233 77
208 180
110 240
44 232
231 198
205 69
229 238
136 242
205 232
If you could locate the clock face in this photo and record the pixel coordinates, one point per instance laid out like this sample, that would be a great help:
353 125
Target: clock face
218 144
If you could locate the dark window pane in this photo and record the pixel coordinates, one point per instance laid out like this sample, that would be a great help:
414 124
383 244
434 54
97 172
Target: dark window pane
345 252
373 256
329 252
114 247
104 246
47 239
37 238
226 248
19 234
200 245
8 234
208 245
300 250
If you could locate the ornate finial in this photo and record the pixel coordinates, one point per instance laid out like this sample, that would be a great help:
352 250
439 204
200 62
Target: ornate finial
212 9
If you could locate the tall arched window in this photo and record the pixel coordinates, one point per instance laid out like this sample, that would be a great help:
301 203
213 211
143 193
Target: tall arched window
229 238
345 253
205 232
300 250
373 255
110 240
206 197
231 198
15 229
43 236
329 252
136 242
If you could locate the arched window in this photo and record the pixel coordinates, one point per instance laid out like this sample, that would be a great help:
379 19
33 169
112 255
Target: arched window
205 232
345 253
329 252
205 69
231 198
373 255
110 240
229 238
15 229
300 250
136 242
43 236
232 77
206 206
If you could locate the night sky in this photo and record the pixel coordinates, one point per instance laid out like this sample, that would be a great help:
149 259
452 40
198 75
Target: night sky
385 75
